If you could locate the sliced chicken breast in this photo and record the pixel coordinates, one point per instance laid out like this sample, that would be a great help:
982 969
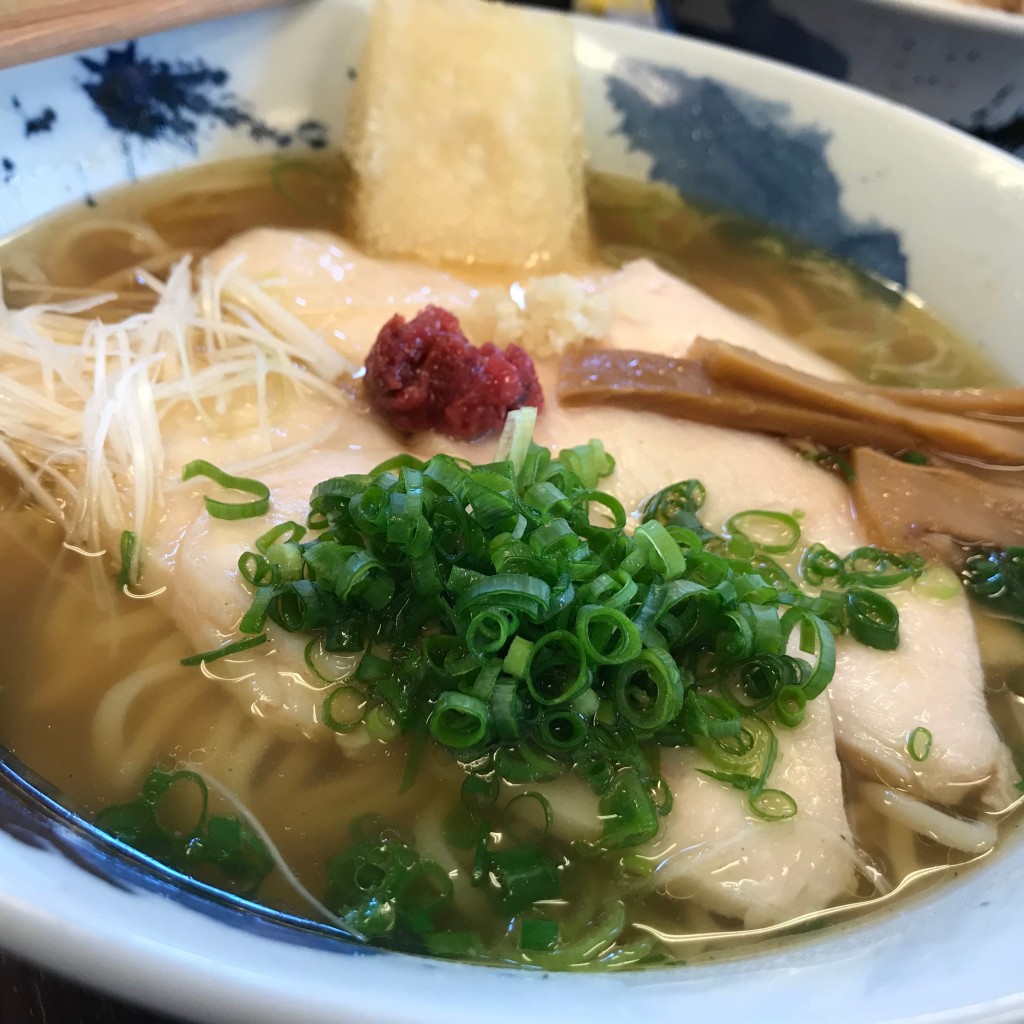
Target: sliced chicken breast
718 852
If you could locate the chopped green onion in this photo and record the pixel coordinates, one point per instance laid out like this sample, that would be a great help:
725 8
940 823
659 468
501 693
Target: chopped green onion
382 724
516 435
563 728
775 533
505 612
289 531
518 657
224 652
524 876
506 710
344 709
256 570
515 592
750 752
628 815
206 841
873 619
607 636
938 583
526 763
527 818
635 866
129 571
479 792
676 505
489 630
876 567
915 458
459 721
663 552
537 934
834 462
228 509
772 805
818 564
919 744
815 637
326 665
790 703
556 671
649 690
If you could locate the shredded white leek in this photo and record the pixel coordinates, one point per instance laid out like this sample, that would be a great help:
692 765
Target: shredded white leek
82 402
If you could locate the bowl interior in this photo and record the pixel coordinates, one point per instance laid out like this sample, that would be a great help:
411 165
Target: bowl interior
828 165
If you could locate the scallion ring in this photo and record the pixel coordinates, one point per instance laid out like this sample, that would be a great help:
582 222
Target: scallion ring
557 671
459 721
230 509
775 533
919 744
608 637
790 703
773 805
873 619
649 690
527 818
344 708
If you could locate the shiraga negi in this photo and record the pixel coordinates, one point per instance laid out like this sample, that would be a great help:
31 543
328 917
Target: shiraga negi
506 612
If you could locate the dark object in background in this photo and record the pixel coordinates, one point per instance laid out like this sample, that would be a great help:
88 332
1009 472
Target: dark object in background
554 5
757 27
29 995
958 63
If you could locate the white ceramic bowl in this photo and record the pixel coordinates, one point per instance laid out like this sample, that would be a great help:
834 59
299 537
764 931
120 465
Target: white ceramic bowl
905 197
961 63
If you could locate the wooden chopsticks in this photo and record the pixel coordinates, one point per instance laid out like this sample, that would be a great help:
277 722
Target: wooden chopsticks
33 29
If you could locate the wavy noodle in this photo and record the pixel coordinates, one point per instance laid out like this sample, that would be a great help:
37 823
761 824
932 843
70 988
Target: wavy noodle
972 837
229 796
128 738
101 244
753 303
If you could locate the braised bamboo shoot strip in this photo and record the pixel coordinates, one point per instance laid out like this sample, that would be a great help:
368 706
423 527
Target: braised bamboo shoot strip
983 403
746 371
681 388
900 503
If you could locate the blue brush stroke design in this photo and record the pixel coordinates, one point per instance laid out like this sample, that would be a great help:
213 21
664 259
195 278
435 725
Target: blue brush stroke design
31 813
148 99
38 124
725 147
756 26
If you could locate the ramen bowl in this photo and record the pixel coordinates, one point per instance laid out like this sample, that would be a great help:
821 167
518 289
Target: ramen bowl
831 166
957 62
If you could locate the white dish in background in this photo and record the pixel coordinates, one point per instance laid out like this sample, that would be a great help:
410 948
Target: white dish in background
835 167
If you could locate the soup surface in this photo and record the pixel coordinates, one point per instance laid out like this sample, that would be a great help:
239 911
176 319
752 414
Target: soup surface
95 696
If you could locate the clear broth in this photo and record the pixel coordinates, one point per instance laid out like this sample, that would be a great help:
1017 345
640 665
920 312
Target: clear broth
56 689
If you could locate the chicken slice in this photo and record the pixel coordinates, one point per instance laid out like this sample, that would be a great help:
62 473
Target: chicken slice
717 852
934 680
334 290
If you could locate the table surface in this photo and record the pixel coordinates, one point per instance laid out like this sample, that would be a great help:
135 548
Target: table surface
31 996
